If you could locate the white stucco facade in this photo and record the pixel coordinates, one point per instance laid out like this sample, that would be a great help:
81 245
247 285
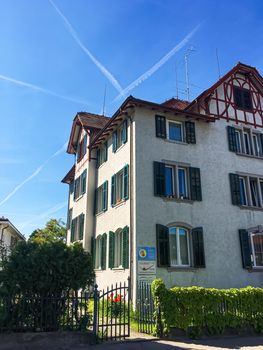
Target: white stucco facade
9 236
141 210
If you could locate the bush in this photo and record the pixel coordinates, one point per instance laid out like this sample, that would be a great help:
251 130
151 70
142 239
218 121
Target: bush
197 309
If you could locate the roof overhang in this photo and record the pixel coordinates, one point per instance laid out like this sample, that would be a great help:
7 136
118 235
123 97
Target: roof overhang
5 221
69 177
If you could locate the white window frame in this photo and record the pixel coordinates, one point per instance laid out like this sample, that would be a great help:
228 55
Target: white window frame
182 130
247 185
119 186
252 234
244 180
246 133
254 145
177 228
256 148
239 139
175 180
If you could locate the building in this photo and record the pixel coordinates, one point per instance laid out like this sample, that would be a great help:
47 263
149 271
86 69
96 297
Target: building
9 236
173 190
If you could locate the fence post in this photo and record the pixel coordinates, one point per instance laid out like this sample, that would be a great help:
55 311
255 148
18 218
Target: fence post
95 313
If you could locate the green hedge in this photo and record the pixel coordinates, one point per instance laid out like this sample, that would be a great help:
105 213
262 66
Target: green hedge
197 309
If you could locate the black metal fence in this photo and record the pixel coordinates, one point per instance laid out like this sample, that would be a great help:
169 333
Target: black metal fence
112 310
145 308
38 314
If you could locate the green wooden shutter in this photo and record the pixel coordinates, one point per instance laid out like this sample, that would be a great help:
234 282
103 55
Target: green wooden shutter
125 247
160 126
245 249
72 230
114 141
190 132
74 190
95 201
195 184
85 144
83 181
111 249
103 251
126 182
93 251
159 178
113 190
198 247
106 151
105 195
81 226
235 189
163 249
124 131
232 141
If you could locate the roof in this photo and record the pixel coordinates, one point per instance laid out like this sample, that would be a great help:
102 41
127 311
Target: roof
176 103
6 221
89 121
69 177
238 68
132 102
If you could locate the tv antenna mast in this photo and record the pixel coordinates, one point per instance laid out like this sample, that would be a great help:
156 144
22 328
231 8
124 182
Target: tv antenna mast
176 81
104 100
186 57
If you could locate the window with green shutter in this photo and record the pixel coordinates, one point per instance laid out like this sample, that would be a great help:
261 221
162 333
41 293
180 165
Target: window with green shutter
125 249
163 249
195 184
246 251
120 186
235 189
160 126
190 132
103 251
93 251
83 181
73 230
232 138
120 136
114 141
198 247
81 226
102 154
113 189
101 198
111 249
159 178
124 131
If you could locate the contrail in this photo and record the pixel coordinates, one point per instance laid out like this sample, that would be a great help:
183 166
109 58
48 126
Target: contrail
47 213
38 88
35 173
75 36
157 65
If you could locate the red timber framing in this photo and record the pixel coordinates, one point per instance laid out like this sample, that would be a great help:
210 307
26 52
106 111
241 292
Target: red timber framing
219 99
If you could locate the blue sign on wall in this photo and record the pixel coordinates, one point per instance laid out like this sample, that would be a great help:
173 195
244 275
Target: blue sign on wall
146 253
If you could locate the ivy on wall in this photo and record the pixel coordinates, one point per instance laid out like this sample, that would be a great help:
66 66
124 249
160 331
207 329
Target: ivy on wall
198 309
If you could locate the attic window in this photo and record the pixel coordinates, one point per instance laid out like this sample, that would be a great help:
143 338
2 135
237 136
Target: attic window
242 98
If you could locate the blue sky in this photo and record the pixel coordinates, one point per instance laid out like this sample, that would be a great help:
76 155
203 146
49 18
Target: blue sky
125 37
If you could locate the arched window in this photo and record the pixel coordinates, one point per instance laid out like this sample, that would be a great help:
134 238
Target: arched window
179 246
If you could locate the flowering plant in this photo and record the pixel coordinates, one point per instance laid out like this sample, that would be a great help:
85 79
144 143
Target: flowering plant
115 304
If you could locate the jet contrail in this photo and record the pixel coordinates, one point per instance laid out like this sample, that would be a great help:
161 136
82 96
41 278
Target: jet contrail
47 213
35 173
157 65
38 88
74 35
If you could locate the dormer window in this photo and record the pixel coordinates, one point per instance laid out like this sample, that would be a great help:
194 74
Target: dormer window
242 98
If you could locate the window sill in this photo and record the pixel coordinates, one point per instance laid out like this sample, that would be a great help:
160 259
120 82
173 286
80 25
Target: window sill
177 142
178 200
248 207
256 269
101 165
118 269
249 155
77 199
100 213
119 204
119 148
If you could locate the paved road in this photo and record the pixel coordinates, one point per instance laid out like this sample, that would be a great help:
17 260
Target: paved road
243 343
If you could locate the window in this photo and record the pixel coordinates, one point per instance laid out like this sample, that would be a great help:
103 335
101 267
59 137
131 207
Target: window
69 219
246 190
251 241
242 98
178 246
119 248
71 187
77 228
101 198
120 186
82 148
176 181
120 136
244 141
100 251
175 130
80 185
102 154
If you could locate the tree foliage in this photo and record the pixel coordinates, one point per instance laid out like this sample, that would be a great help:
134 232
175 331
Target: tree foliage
54 231
46 269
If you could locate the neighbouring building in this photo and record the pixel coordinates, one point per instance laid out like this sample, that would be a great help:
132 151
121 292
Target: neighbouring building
9 236
173 190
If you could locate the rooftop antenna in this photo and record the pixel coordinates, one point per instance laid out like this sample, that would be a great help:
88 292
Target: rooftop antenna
218 66
176 81
186 56
104 100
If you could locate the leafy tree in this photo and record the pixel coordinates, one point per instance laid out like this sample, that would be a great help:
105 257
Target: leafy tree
54 231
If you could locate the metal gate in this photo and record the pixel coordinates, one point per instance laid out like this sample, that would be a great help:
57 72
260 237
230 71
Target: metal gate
112 312
145 308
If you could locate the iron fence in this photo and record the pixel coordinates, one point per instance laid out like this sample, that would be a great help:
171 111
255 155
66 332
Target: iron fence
145 308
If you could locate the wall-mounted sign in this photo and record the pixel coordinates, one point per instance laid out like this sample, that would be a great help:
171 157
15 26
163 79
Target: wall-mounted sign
146 278
146 267
146 253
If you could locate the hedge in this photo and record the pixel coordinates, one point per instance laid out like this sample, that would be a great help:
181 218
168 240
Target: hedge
197 309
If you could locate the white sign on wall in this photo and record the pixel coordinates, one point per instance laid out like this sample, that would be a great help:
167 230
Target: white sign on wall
146 267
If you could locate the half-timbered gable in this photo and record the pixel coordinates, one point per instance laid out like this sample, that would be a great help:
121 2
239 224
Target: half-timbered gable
237 97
